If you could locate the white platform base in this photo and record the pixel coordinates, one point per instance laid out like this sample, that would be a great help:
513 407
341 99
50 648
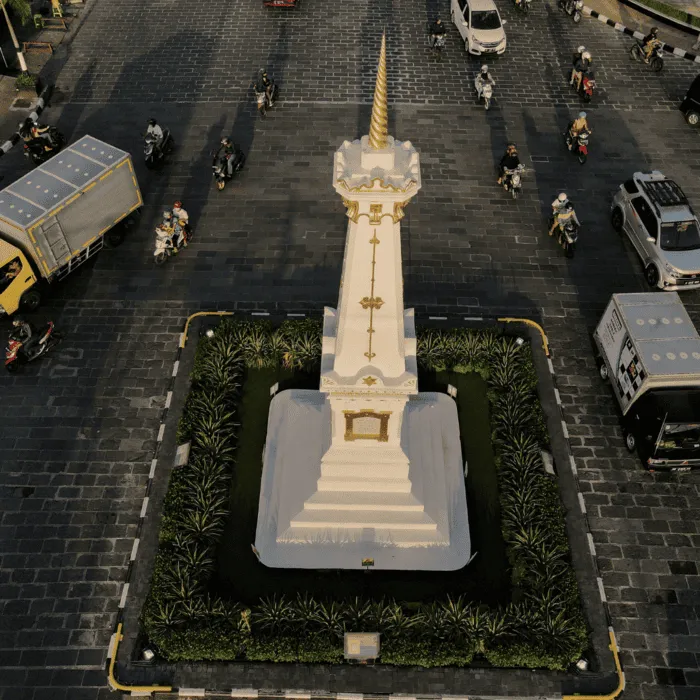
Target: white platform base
415 524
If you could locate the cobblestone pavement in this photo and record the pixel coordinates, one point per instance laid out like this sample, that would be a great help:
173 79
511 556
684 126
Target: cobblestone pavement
77 430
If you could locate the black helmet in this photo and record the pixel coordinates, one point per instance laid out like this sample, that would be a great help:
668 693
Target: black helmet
17 321
654 31
509 146
438 21
152 122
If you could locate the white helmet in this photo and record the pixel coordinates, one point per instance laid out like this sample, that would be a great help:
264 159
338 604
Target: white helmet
586 54
580 49
562 197
484 68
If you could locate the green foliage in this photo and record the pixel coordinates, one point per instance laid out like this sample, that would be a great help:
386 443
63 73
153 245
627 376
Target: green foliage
25 81
21 8
542 628
673 12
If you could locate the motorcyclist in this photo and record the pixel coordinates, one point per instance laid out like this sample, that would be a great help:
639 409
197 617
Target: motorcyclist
482 79
577 126
581 65
32 130
437 28
230 153
154 129
577 56
181 221
650 43
510 161
25 333
562 211
265 84
170 228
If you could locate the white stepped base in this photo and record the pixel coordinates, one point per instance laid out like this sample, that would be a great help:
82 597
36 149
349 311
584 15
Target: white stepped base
362 500
300 526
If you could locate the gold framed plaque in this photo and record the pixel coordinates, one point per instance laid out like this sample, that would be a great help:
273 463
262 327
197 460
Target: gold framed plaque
367 425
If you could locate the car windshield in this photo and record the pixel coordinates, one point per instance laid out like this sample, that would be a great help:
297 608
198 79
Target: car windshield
680 235
679 436
486 19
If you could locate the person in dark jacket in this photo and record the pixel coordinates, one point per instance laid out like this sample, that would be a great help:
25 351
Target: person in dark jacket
437 28
510 161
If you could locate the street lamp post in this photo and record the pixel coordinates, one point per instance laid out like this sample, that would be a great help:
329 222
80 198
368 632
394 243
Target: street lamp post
20 55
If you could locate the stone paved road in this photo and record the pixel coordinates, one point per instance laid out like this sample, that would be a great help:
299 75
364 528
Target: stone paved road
77 431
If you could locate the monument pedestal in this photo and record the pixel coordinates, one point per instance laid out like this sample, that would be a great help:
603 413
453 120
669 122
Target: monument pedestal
329 517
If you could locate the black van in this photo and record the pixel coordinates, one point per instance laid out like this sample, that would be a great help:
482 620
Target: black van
691 104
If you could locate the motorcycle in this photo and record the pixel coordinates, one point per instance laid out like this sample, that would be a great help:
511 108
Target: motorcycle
263 101
523 5
16 355
573 8
587 87
165 242
655 62
579 146
487 94
153 155
512 180
35 147
567 236
219 166
437 43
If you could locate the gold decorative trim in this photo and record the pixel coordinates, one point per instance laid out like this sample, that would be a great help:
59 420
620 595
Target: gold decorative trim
373 303
378 124
375 214
352 209
381 416
370 302
364 187
399 210
369 381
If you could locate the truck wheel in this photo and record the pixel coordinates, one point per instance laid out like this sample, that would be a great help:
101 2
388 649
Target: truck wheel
692 118
617 219
115 237
603 371
630 442
30 300
652 275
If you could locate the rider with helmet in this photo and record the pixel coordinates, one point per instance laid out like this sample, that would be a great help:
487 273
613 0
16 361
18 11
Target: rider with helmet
154 129
581 65
265 84
437 28
578 125
25 333
510 161
482 79
650 43
562 211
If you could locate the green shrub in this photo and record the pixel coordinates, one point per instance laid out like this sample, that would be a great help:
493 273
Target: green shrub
543 627
25 81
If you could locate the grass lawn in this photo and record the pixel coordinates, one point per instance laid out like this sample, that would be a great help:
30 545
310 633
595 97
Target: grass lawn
241 577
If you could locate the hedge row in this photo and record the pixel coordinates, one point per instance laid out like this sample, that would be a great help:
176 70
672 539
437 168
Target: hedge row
542 627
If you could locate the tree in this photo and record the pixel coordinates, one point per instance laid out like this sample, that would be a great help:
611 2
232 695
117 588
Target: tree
23 10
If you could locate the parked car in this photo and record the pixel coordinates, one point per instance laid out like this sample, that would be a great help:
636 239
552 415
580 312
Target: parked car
656 216
480 26
691 103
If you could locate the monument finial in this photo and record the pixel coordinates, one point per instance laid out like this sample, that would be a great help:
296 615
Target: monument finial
378 125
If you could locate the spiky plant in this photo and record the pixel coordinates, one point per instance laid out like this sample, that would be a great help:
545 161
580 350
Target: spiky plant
305 610
194 556
330 618
274 615
164 616
357 613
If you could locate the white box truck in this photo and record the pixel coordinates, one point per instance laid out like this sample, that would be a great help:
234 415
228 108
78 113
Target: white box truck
649 349
59 215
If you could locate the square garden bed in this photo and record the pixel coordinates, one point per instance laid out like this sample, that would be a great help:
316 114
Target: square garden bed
516 603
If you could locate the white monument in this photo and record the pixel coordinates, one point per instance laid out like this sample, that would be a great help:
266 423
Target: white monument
366 471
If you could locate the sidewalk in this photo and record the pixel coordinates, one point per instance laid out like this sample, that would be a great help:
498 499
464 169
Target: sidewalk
623 14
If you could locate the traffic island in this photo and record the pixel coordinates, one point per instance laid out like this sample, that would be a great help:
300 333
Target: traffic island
479 618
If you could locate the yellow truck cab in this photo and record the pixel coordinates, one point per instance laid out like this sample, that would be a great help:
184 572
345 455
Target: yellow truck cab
60 214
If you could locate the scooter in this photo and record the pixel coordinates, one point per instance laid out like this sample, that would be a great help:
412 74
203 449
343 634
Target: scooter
35 148
567 236
512 180
15 355
579 147
165 242
264 103
219 166
523 5
486 91
587 87
655 62
573 8
153 156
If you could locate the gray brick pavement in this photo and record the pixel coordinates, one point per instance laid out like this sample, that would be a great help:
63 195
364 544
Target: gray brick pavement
77 431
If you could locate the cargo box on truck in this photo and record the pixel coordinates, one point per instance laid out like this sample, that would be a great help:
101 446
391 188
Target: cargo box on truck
59 215
649 349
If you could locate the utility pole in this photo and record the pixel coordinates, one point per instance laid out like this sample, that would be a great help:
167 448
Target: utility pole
20 55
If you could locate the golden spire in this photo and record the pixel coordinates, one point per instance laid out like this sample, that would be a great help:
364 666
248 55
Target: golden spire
378 125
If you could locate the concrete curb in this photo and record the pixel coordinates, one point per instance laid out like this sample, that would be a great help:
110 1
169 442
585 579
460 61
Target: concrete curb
681 53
